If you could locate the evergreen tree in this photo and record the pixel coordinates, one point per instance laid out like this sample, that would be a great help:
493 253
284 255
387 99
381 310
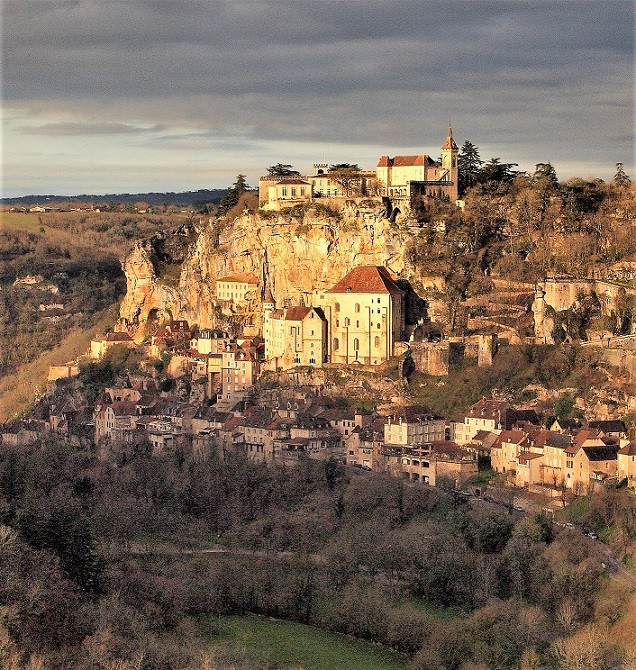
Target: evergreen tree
282 170
469 165
496 171
621 180
545 172
233 194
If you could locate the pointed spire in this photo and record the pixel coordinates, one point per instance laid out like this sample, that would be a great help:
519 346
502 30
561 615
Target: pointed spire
450 142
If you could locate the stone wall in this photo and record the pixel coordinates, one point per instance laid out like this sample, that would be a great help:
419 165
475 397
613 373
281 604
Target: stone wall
431 358
561 294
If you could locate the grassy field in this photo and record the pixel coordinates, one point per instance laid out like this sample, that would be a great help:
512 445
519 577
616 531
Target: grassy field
288 645
20 221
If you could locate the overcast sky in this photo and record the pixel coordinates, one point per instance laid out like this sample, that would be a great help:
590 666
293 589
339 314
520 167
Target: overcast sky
152 95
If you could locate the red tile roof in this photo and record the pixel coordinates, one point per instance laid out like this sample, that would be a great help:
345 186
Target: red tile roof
404 161
629 449
297 313
240 277
367 279
450 142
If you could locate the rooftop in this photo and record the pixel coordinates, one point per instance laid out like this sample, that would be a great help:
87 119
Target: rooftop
367 279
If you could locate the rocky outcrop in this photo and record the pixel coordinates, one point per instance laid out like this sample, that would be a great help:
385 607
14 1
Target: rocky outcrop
290 255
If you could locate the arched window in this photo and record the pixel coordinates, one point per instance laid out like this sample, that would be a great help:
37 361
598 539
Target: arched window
347 321
337 307
379 326
377 341
356 344
357 308
336 344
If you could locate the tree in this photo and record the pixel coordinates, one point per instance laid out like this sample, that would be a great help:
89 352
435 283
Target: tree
281 170
469 164
545 171
233 194
347 176
496 171
621 180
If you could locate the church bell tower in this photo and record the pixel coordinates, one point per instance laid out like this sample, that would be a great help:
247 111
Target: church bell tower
449 160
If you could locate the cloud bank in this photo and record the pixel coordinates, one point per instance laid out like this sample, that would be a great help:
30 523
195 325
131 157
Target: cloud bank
211 89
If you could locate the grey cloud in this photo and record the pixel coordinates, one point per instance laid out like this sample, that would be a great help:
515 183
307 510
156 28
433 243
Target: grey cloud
83 128
524 79
132 48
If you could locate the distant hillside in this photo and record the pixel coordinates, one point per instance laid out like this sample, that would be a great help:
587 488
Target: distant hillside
170 198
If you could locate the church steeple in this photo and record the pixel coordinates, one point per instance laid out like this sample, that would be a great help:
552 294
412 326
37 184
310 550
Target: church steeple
449 160
450 142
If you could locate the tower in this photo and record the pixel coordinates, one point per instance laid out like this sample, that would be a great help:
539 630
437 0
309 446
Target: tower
449 161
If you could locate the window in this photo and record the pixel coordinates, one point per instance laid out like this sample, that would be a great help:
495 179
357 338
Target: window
302 190
293 191
379 326
377 341
357 308
356 344
336 344
284 191
357 324
347 321
337 307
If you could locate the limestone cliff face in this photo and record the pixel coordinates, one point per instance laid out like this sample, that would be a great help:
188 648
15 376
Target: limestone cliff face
290 256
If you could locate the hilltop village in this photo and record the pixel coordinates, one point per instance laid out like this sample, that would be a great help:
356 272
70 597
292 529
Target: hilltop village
293 331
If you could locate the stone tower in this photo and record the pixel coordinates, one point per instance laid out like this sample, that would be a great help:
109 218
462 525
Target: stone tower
449 162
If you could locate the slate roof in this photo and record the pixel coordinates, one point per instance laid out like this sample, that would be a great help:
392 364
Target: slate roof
414 413
612 426
601 453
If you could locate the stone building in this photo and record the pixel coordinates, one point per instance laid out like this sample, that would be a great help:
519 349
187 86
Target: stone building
237 288
365 316
405 177
238 372
358 320
295 336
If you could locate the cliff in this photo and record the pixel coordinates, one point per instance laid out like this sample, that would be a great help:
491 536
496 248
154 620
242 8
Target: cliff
173 275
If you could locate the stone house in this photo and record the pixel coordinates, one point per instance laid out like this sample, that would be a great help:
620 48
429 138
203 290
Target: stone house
414 425
589 463
237 288
239 371
295 336
626 464
209 341
100 347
